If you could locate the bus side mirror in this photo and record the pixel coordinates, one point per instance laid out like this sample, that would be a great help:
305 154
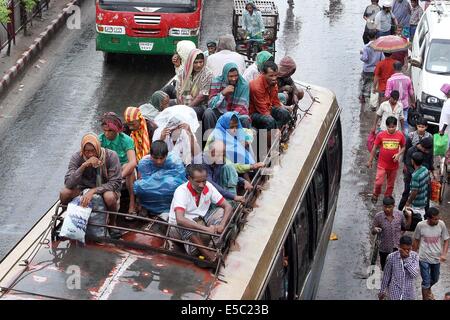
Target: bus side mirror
416 62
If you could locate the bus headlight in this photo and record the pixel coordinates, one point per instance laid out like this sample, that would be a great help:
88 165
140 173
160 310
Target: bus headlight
110 29
182 32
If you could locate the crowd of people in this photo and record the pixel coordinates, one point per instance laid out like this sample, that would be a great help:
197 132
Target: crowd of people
153 152
393 142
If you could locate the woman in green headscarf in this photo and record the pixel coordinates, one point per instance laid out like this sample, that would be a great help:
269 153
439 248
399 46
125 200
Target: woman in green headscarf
252 72
158 102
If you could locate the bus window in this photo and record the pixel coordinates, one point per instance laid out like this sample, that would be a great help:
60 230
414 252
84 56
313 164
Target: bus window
320 184
334 159
302 231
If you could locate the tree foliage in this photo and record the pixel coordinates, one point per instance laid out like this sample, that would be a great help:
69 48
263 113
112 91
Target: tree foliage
4 12
29 4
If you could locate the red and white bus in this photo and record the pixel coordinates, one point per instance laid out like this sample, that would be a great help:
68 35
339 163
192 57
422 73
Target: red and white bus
146 26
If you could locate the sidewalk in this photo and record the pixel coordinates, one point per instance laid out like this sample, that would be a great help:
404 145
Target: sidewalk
27 47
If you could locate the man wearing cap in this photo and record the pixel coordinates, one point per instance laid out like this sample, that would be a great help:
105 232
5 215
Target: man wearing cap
445 113
385 18
212 47
389 224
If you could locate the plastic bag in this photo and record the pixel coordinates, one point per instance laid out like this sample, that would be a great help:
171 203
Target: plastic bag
157 185
440 144
75 222
373 100
370 141
97 204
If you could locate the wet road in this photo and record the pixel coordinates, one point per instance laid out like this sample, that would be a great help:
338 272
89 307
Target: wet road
36 147
324 36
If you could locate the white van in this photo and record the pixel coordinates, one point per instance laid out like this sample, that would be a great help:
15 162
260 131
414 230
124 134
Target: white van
430 59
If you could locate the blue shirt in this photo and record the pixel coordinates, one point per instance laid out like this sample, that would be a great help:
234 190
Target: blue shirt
370 57
402 11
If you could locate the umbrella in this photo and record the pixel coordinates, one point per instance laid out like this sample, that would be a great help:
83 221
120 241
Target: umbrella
174 116
390 44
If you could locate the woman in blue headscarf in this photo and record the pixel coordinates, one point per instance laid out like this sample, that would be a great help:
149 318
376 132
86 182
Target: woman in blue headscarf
235 137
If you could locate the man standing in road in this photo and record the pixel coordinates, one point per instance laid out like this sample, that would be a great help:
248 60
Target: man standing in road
389 224
385 19
402 268
428 238
402 11
369 15
370 57
383 71
420 182
392 145
402 83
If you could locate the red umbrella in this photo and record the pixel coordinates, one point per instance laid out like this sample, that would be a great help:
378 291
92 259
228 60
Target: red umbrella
390 44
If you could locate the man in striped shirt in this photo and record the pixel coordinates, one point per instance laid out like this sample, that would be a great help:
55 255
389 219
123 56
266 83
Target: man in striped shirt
402 268
420 182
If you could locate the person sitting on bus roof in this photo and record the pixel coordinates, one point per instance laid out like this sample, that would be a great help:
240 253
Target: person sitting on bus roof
175 130
212 48
255 69
198 205
229 92
252 21
266 109
158 102
222 172
160 174
225 53
114 139
194 82
184 47
94 168
286 84
237 140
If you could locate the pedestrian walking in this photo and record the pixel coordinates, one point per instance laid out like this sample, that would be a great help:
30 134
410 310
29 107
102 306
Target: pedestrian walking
420 184
424 146
369 15
385 20
390 108
370 58
392 145
389 224
402 268
416 14
431 242
445 112
383 71
403 84
402 11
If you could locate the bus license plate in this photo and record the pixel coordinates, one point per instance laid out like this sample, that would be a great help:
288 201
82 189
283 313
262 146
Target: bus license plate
146 46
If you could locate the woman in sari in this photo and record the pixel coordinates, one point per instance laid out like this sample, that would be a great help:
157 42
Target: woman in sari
139 131
194 82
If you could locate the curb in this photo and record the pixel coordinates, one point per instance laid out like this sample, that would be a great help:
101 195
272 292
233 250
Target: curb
38 45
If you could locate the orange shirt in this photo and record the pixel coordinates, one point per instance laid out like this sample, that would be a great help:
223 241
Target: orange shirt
262 96
383 71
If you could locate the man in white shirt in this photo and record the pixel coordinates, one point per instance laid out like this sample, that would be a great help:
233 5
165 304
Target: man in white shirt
225 53
191 208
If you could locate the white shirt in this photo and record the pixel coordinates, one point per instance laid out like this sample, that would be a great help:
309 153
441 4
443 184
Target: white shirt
185 198
251 73
385 111
218 60
445 116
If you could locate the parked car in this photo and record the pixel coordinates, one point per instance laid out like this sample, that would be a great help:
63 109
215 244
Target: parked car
430 60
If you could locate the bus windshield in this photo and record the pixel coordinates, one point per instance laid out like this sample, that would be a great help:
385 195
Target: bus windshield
438 60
